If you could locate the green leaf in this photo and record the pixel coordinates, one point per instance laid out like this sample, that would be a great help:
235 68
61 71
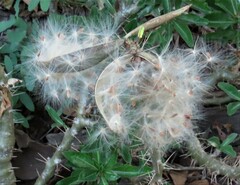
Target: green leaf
109 6
214 141
228 149
16 36
8 64
230 90
103 181
126 154
19 118
13 58
166 5
21 24
55 117
229 139
80 160
33 4
85 175
111 176
229 6
44 4
72 180
226 35
131 171
200 5
184 32
232 108
27 101
15 100
16 7
29 83
194 19
111 161
219 20
7 24
78 176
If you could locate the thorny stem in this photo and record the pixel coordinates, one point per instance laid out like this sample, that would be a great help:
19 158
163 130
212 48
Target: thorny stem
157 166
51 163
217 100
222 75
198 154
7 140
157 21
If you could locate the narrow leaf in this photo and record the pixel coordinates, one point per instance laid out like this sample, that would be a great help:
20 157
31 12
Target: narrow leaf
184 32
54 115
230 90
167 6
27 101
33 4
103 181
229 6
8 64
19 118
228 149
44 4
229 139
126 154
131 171
194 19
79 176
80 160
232 108
7 24
219 20
214 141
200 5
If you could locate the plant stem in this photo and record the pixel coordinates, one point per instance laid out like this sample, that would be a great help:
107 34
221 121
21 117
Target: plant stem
157 166
196 151
217 100
51 163
7 140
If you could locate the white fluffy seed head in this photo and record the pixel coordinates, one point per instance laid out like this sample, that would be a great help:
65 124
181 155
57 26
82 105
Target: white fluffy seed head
58 52
158 98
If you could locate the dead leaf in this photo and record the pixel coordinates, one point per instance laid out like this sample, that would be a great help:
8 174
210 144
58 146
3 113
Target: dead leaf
30 162
6 103
228 127
200 182
222 135
179 178
22 139
7 4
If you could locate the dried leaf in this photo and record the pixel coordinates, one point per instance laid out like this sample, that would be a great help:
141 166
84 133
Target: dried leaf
200 182
7 4
179 178
6 103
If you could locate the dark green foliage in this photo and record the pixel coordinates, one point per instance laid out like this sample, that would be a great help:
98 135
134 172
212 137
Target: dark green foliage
99 168
224 146
232 92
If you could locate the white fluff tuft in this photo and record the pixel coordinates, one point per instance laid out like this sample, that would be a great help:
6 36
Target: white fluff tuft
58 53
158 99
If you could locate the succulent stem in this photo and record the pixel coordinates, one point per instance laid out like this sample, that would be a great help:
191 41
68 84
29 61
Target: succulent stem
196 151
51 163
157 166
7 140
